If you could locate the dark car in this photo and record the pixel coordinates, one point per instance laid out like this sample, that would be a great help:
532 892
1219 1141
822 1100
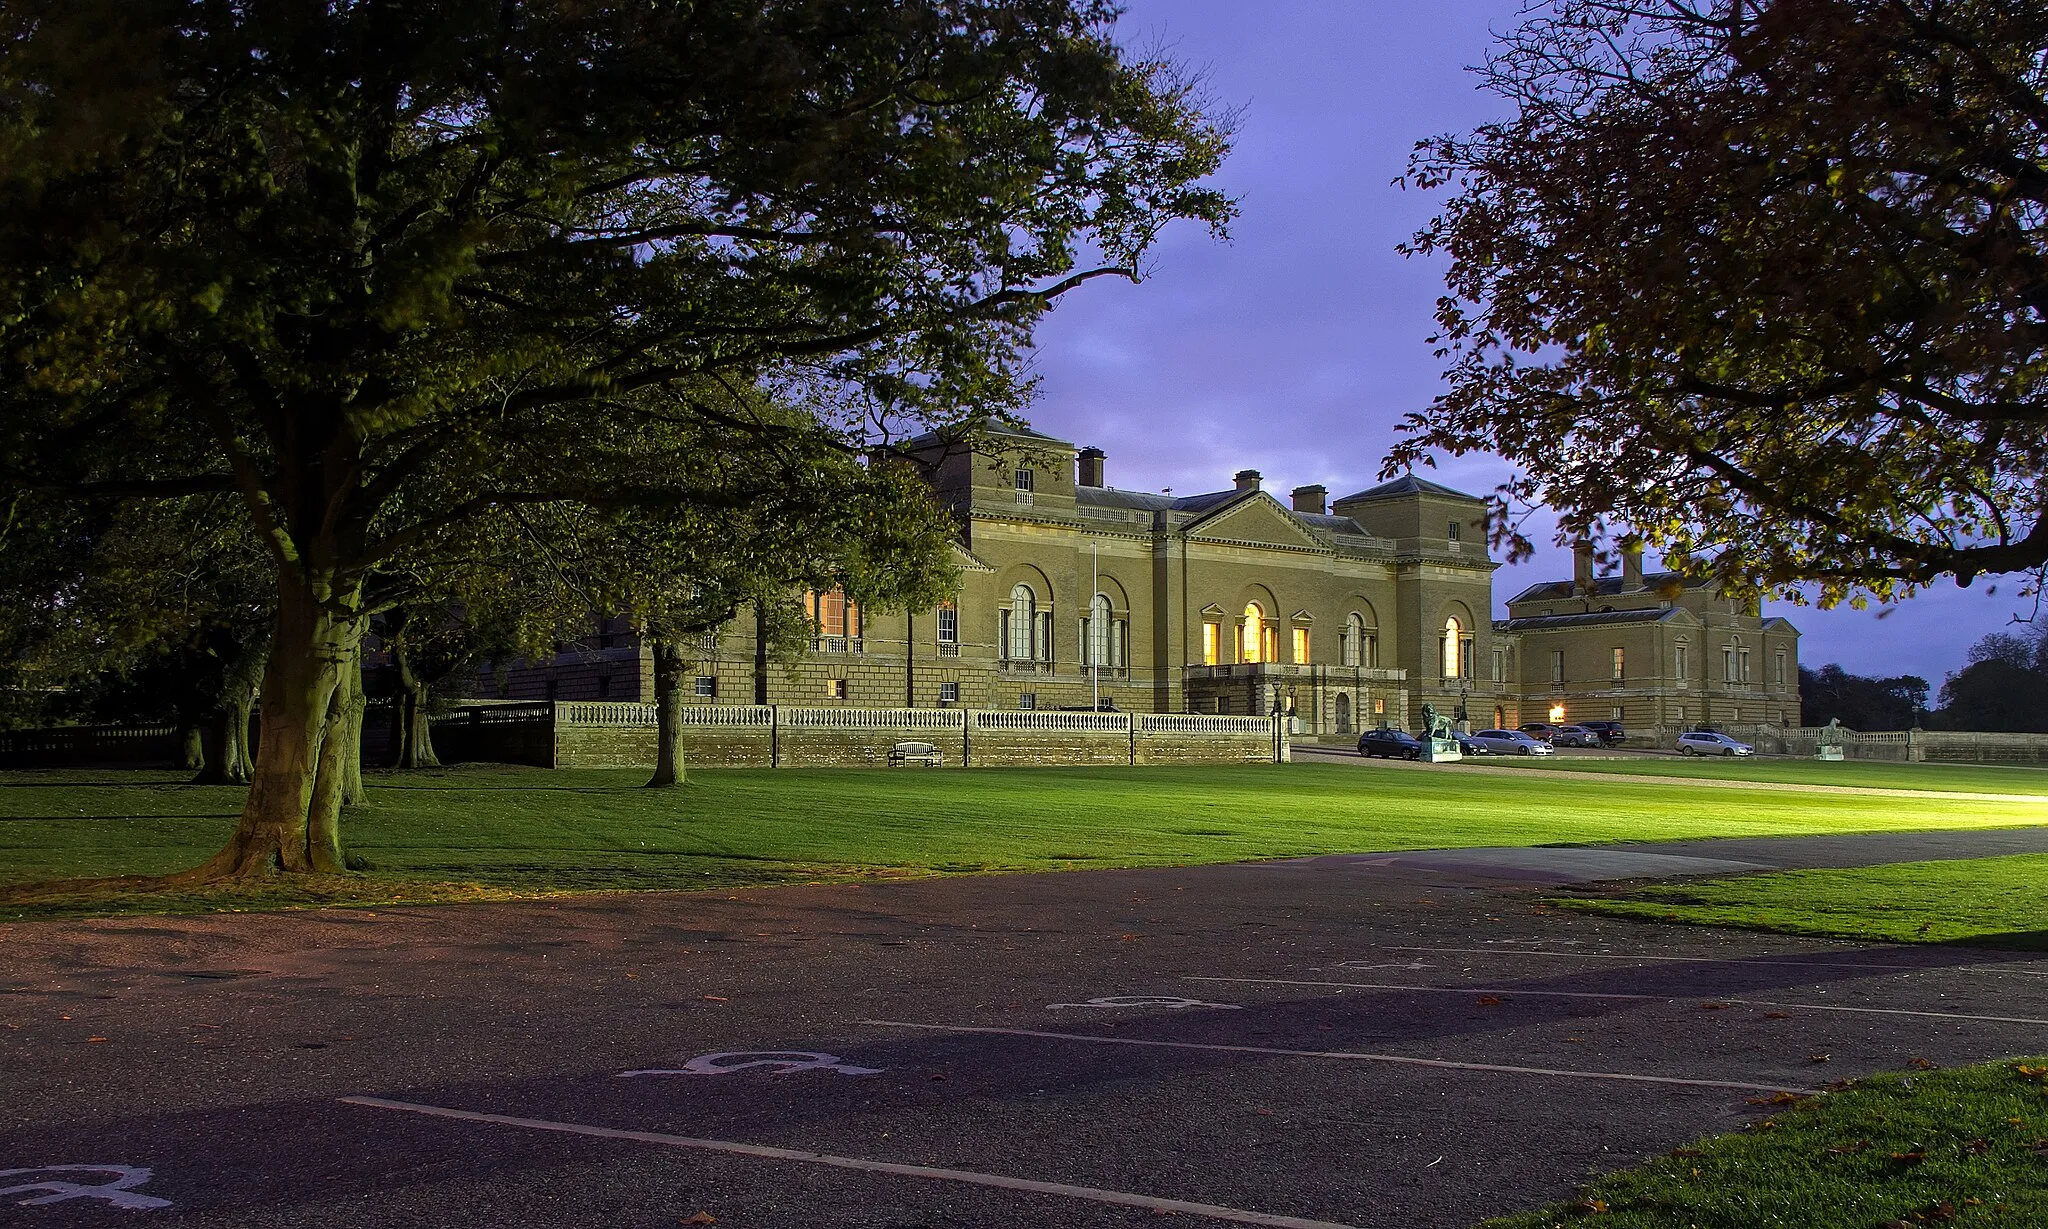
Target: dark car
1610 732
1541 731
1468 745
1391 744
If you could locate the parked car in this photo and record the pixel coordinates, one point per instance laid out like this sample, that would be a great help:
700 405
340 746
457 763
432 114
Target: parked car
1707 742
1610 732
1469 744
1512 742
1389 744
1574 736
1541 731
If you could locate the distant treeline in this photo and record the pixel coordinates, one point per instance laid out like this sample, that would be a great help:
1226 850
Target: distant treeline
2003 688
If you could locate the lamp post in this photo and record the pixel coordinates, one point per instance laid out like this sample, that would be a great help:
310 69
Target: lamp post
1095 632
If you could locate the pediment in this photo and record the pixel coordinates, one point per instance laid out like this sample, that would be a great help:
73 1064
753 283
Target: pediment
1258 521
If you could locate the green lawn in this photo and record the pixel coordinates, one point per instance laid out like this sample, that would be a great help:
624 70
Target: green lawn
1959 778
2002 901
1968 1147
497 831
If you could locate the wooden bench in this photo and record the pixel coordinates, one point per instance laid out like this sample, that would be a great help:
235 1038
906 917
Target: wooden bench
915 753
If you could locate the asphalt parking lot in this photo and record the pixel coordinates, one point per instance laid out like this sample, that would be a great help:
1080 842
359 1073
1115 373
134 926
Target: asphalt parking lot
1405 1039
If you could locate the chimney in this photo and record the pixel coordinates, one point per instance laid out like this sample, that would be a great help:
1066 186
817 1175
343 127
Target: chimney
1631 569
1582 569
1310 499
1247 479
1089 467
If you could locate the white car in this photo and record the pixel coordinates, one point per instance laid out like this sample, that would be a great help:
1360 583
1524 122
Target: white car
1511 742
1704 743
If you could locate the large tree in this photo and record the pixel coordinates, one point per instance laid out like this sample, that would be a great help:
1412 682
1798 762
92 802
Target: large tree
390 272
1764 281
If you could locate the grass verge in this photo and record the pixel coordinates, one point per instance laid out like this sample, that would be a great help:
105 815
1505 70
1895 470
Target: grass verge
1999 902
1859 774
478 831
1967 1147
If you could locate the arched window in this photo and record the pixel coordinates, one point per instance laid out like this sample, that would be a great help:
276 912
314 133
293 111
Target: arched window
1019 620
1254 634
1351 644
1102 642
1454 639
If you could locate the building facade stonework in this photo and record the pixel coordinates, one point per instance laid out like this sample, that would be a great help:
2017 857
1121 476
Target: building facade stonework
1349 614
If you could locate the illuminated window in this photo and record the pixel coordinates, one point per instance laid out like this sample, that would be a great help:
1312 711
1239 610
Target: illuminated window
832 614
835 689
1379 707
1301 646
1618 665
1253 639
1557 712
1457 650
1212 643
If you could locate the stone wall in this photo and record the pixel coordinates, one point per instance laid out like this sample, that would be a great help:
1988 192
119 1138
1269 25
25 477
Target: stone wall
621 735
91 746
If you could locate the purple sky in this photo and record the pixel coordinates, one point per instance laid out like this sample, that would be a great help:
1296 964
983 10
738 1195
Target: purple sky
1295 348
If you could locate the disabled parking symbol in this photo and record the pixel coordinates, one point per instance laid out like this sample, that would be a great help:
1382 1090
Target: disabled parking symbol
783 1062
118 1190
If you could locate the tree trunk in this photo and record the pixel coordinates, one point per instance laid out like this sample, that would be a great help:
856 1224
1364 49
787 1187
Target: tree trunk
312 641
349 695
336 764
191 748
668 705
415 742
237 759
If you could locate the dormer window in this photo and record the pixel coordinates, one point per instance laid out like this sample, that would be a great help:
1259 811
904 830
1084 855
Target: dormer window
1024 480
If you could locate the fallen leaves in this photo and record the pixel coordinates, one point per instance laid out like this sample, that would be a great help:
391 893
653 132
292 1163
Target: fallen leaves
1489 1000
700 1218
1921 1064
1777 1098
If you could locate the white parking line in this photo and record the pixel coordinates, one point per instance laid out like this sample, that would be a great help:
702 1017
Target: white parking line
1094 1194
1797 964
1659 998
1403 1060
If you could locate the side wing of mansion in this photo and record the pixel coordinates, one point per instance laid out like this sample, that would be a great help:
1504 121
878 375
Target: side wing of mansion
1349 613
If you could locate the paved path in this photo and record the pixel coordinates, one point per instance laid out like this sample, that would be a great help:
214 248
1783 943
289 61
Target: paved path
1392 1040
1305 753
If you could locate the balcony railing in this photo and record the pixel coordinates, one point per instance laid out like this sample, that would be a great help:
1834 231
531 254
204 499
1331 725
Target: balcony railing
837 644
1019 666
949 648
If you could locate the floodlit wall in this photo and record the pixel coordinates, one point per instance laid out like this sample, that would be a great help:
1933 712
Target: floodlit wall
593 735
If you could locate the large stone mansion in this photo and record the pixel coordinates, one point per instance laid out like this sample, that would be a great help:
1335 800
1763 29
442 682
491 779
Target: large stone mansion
1348 613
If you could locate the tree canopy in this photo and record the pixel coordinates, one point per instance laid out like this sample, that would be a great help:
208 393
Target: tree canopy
396 275
1762 281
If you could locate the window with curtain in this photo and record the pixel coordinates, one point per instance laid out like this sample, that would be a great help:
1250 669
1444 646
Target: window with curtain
1453 656
1253 638
1301 646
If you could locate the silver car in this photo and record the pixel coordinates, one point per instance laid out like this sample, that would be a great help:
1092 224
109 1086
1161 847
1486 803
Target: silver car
1511 742
1702 742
